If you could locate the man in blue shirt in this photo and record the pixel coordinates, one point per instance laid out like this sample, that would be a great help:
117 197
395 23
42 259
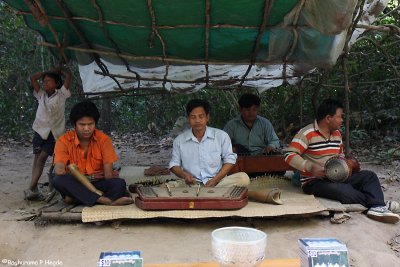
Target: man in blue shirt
251 133
203 155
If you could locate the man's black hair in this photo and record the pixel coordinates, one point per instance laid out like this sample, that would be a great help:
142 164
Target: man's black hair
84 109
55 76
195 103
249 100
328 107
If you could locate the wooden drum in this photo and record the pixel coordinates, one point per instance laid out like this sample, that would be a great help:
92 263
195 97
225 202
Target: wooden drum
339 169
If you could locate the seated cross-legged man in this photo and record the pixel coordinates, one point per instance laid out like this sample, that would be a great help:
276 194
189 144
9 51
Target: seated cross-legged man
251 133
320 141
203 155
93 153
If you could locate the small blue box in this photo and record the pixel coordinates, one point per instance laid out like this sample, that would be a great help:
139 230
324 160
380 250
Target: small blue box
315 252
120 259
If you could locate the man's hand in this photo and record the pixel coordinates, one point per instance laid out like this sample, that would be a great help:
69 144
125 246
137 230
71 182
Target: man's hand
269 149
178 171
317 170
211 183
226 167
189 179
59 169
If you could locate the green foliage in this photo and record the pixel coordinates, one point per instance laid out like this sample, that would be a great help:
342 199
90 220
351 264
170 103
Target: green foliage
135 113
394 153
17 50
358 135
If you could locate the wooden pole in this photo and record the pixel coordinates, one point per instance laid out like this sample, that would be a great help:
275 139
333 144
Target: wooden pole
267 10
301 102
106 116
157 58
346 101
356 18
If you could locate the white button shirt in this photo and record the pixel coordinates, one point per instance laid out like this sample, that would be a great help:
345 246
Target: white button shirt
50 113
202 159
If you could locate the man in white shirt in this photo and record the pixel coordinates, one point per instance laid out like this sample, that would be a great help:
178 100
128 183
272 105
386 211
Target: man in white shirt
203 155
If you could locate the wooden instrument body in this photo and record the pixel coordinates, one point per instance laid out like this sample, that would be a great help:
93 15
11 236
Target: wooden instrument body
260 163
186 198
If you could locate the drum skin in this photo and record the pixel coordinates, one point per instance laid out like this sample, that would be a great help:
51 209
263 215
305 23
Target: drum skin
339 169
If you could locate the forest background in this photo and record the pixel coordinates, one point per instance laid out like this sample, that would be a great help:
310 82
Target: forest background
373 69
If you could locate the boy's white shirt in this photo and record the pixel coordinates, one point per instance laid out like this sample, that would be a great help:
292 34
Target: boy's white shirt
50 113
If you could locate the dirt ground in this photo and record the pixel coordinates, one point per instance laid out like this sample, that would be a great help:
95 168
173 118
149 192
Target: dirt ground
24 242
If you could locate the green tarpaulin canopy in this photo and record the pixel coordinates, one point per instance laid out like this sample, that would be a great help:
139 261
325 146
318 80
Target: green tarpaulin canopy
188 44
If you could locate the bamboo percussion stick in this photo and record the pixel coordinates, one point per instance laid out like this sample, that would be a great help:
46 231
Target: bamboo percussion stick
82 179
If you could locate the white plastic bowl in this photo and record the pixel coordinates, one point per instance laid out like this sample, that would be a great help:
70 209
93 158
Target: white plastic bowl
238 246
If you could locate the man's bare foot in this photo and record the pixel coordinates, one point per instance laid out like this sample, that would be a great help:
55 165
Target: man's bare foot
69 200
122 201
104 201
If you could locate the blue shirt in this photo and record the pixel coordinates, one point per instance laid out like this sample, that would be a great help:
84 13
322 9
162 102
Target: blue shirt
261 135
202 159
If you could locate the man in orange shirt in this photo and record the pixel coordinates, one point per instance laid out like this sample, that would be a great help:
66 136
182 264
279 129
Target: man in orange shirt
93 153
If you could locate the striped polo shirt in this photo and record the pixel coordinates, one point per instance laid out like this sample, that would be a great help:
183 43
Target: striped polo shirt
309 144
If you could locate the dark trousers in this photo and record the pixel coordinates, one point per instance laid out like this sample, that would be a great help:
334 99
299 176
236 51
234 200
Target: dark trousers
67 185
362 187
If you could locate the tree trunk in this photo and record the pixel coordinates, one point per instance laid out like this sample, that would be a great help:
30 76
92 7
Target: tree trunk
106 116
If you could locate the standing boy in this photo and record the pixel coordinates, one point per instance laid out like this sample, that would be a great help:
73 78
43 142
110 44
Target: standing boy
49 122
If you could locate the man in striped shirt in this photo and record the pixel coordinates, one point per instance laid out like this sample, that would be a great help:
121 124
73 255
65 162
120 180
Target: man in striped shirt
313 145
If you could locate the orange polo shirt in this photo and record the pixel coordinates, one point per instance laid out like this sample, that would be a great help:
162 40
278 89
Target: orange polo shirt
100 151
